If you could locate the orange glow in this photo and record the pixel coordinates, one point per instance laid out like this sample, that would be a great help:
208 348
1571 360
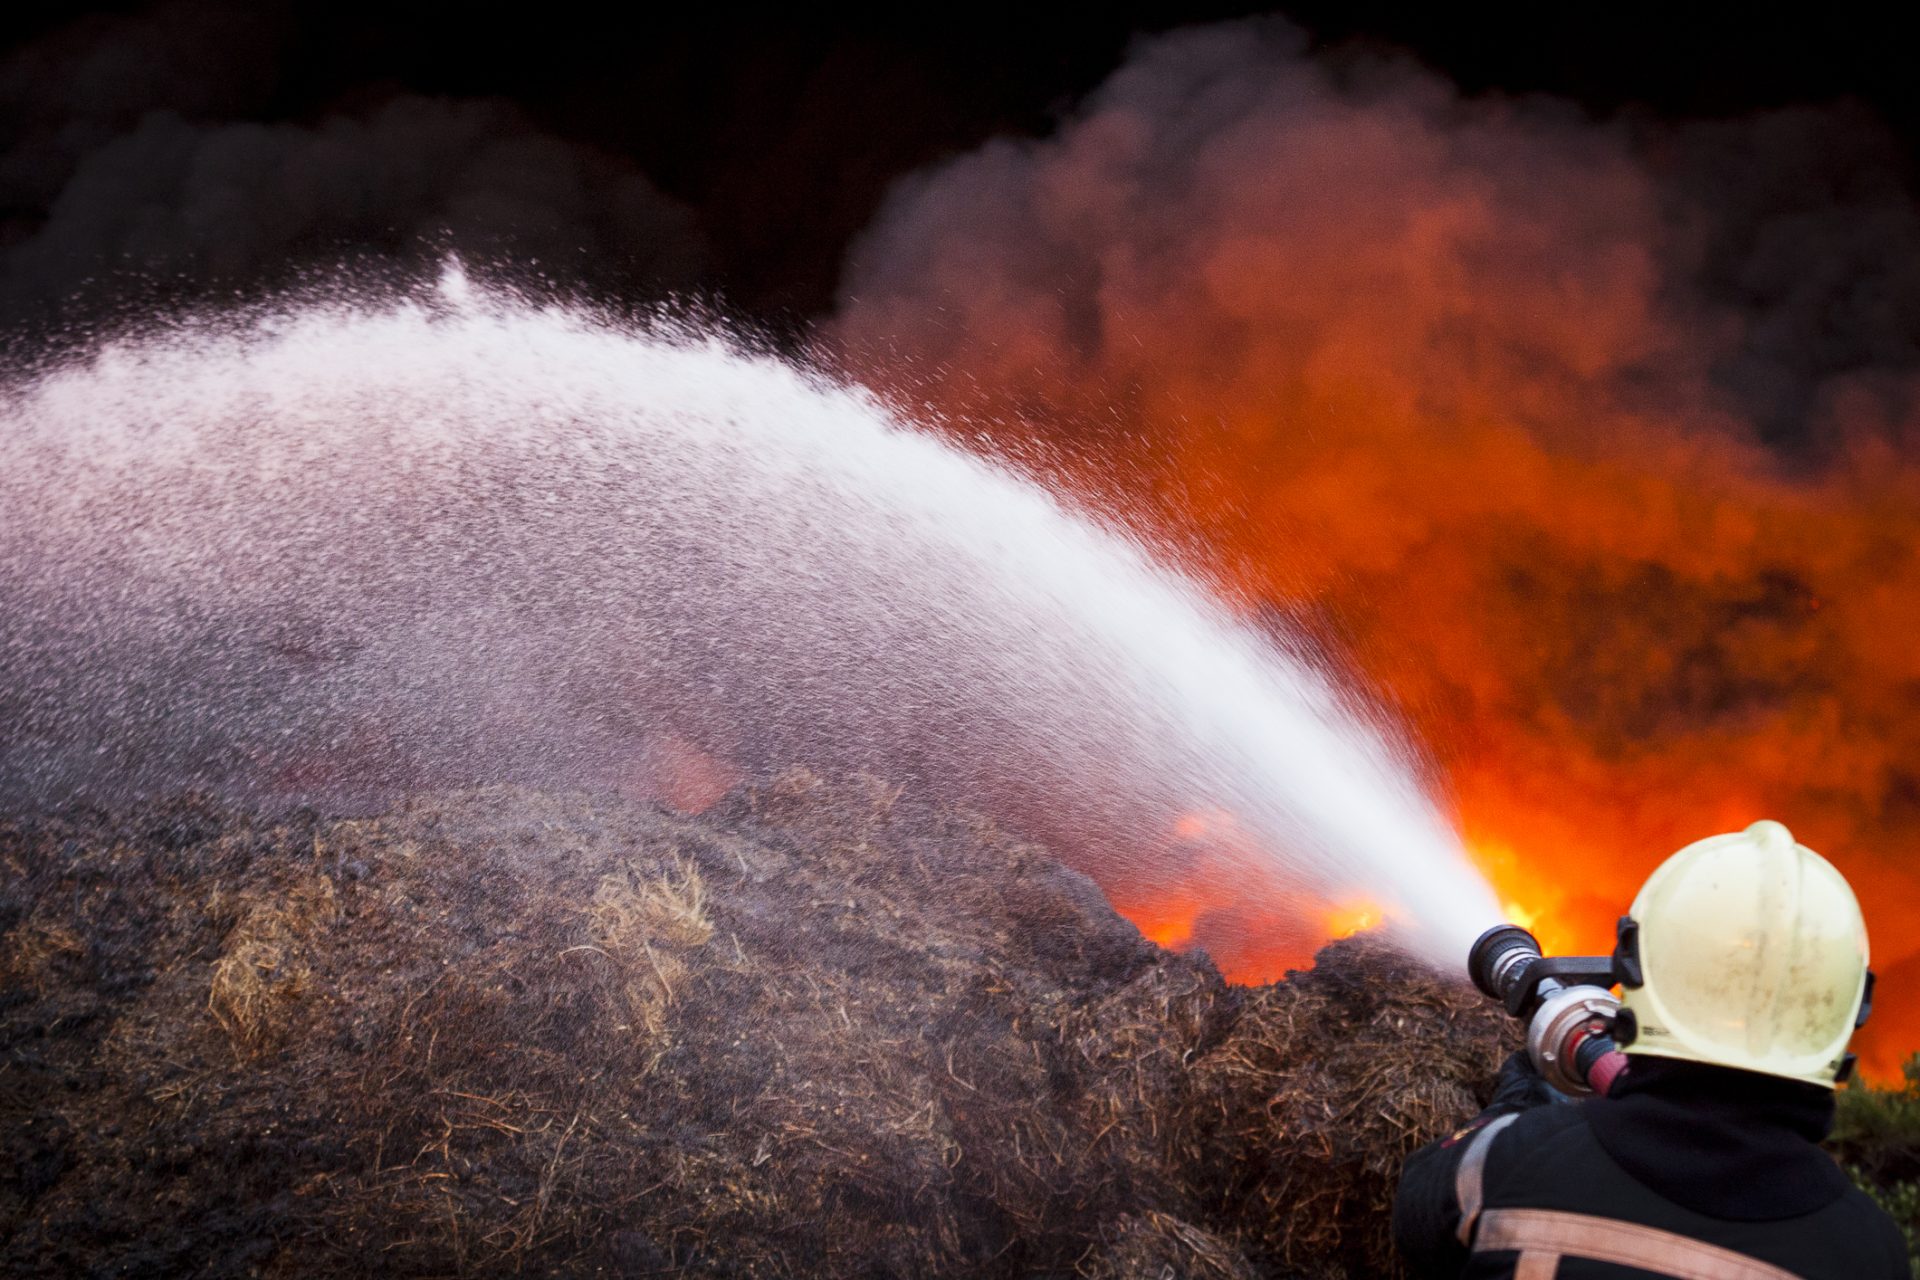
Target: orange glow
680 775
1429 379
1220 895
1354 917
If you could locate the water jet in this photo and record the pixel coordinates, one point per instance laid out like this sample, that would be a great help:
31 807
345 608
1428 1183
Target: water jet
339 551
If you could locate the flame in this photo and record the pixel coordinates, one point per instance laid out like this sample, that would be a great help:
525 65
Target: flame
1255 928
1169 926
1350 918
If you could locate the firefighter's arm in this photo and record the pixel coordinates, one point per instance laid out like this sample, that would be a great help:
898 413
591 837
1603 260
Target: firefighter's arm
1426 1216
1427 1210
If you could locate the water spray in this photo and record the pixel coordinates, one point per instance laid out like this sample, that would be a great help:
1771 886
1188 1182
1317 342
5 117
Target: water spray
342 553
1564 1000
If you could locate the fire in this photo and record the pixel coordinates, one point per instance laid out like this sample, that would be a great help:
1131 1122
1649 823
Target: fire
1170 929
1212 898
1437 380
1532 897
1353 917
680 775
1216 901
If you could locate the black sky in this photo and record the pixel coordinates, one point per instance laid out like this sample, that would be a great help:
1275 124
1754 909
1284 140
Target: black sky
779 131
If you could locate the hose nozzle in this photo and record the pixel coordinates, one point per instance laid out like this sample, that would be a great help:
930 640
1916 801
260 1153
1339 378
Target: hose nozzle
1565 1002
1500 958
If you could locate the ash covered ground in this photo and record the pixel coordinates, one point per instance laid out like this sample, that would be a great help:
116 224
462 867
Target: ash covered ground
823 1029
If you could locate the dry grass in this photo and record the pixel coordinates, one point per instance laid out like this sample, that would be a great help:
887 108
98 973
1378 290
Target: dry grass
264 965
644 924
1157 1246
30 951
632 910
1325 1084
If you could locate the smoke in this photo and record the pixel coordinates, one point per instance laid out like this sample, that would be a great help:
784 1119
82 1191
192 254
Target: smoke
1809 244
1592 441
143 164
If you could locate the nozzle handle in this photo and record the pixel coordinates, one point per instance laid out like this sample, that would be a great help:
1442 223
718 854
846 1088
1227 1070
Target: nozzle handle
1567 971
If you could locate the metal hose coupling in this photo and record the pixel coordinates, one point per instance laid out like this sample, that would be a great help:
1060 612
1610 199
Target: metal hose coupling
1564 1001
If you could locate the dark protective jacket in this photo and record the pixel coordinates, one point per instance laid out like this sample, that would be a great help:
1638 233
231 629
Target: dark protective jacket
1687 1170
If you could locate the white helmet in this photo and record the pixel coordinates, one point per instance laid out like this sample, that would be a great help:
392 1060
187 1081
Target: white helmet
1746 950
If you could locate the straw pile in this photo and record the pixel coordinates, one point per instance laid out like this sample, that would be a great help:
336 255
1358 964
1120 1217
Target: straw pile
821 1030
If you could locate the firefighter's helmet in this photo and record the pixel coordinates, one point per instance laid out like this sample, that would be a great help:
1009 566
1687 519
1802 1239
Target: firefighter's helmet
1749 951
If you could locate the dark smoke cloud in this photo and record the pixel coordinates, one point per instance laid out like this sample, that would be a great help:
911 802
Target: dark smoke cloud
1806 235
1307 209
81 86
134 174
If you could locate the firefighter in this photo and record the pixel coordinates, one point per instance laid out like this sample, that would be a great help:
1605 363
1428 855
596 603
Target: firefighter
1702 1159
